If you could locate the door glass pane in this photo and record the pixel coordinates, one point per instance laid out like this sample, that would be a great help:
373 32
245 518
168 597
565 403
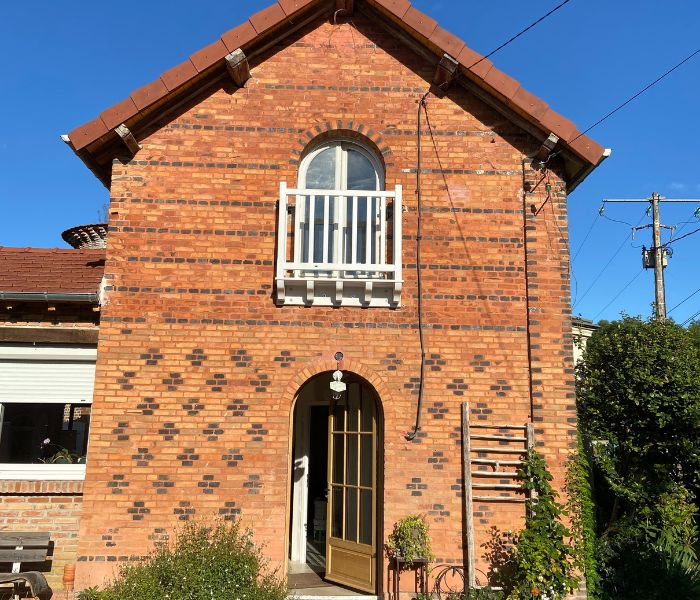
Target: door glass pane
366 516
366 460
338 457
320 174
337 516
354 406
367 412
351 514
339 416
351 474
361 172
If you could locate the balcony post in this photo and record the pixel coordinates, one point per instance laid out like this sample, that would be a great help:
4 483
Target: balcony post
281 242
398 242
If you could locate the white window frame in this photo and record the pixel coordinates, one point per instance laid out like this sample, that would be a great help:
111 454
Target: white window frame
341 146
45 472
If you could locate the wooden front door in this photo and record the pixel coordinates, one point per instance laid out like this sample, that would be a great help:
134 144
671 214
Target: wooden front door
351 545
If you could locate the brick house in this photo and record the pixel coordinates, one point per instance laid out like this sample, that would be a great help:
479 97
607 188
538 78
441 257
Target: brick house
272 221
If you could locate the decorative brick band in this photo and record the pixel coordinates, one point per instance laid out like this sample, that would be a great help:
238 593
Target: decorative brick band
40 488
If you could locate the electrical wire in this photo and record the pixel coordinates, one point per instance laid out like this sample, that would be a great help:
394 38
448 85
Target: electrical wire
684 301
629 283
635 96
585 239
684 224
678 239
600 274
411 435
690 319
517 35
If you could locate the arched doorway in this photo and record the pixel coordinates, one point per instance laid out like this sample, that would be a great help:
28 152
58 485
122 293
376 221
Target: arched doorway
336 483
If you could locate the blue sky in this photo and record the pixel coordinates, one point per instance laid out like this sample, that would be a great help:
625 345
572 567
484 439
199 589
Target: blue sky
63 62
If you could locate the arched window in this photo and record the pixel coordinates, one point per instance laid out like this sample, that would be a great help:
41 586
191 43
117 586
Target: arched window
343 229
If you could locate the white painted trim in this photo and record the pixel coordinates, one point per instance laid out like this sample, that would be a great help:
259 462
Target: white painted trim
41 472
45 352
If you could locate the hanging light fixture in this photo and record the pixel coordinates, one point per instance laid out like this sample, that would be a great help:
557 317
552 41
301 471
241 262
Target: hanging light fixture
337 386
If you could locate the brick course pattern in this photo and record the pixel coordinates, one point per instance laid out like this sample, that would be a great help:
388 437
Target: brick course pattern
47 506
198 368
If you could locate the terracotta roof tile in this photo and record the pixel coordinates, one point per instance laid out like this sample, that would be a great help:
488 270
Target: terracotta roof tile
238 36
291 6
416 23
149 93
53 270
420 22
119 113
209 56
267 18
178 75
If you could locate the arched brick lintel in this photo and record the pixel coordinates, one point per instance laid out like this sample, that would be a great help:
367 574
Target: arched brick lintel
342 129
323 365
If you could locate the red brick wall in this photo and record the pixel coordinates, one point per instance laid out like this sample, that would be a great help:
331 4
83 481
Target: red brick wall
186 373
46 506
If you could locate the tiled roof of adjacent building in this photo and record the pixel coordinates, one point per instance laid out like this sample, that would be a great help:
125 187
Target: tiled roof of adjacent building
51 270
94 141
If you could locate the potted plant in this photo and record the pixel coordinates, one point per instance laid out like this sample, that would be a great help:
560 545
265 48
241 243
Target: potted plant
59 455
410 540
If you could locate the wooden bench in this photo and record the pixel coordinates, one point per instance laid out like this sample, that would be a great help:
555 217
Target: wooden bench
19 547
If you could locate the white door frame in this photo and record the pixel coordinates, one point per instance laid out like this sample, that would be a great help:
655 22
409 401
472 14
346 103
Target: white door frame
300 475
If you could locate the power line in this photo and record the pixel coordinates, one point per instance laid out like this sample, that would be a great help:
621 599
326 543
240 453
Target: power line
585 239
678 239
517 35
629 283
635 96
600 274
684 300
690 319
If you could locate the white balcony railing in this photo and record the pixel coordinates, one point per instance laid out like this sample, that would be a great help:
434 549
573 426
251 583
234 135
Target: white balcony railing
339 247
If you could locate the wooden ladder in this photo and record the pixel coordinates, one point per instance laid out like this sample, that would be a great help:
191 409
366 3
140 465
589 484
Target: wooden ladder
491 455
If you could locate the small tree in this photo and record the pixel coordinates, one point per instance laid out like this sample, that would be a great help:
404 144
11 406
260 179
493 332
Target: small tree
639 408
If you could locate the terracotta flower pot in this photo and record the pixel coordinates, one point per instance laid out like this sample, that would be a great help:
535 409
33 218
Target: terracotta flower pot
69 577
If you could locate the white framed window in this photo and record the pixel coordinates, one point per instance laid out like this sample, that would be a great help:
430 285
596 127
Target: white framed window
45 404
339 231
340 166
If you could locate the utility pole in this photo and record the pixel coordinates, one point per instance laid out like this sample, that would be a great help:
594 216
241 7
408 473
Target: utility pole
656 257
659 260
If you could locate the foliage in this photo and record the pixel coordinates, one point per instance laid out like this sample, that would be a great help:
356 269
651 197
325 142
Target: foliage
639 402
91 593
203 563
477 593
639 407
542 563
581 509
410 539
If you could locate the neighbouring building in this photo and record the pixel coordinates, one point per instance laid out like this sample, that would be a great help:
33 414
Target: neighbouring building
49 317
583 329
269 218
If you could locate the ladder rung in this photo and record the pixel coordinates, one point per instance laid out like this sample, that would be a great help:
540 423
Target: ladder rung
498 499
489 461
496 426
504 438
497 486
494 474
498 450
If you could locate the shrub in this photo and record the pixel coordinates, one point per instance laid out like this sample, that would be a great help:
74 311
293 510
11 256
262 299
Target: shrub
542 562
581 509
204 562
410 539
